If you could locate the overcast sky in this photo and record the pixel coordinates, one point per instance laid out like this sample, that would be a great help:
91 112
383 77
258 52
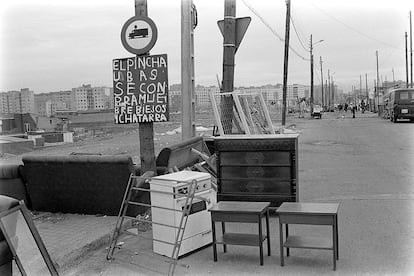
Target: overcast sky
55 45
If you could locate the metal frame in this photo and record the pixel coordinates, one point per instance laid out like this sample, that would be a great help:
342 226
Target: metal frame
35 234
245 118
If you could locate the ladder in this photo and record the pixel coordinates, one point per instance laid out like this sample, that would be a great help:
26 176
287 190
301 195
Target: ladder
140 184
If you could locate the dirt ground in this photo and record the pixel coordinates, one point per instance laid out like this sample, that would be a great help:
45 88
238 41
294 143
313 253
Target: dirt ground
98 134
104 137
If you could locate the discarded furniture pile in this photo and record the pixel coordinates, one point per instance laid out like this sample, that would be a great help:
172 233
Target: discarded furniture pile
82 183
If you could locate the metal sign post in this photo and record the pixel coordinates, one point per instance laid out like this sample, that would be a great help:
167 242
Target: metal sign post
141 82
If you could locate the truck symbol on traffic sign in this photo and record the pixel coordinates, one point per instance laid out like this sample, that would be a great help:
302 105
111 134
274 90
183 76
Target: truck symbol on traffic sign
138 35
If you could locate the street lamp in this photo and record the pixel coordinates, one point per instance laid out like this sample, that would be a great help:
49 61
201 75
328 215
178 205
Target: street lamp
311 68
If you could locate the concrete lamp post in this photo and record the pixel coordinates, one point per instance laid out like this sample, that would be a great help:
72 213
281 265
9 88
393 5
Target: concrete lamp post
311 68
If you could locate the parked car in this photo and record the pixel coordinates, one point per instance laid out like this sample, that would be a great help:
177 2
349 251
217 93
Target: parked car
317 111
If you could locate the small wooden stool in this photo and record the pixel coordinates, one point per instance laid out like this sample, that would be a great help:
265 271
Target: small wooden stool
309 213
244 212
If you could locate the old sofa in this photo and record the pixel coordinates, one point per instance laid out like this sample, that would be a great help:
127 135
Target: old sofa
84 184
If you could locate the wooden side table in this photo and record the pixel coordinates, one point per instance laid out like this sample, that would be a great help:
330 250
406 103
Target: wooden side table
244 212
309 213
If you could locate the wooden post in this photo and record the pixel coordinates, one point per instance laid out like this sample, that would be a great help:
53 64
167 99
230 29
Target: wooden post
332 94
146 130
229 50
187 70
311 73
229 44
411 51
329 92
378 85
406 61
285 66
366 88
323 100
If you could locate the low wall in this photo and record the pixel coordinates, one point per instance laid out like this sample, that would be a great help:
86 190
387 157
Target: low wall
14 145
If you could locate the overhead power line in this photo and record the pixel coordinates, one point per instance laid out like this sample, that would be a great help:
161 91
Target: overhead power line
297 35
355 30
271 29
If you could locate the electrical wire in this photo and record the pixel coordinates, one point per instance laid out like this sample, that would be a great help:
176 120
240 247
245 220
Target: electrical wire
353 29
297 34
271 29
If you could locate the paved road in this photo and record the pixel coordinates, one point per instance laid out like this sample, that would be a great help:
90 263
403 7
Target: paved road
367 165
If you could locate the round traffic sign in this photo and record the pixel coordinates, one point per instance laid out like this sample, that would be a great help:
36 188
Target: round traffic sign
139 34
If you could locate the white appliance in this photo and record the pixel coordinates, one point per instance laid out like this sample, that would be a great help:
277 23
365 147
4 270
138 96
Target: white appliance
198 229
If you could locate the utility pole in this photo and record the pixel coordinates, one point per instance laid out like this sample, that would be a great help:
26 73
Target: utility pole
353 92
229 50
187 69
285 66
376 53
406 61
322 81
411 51
333 94
393 77
311 73
375 95
146 130
360 86
366 88
329 92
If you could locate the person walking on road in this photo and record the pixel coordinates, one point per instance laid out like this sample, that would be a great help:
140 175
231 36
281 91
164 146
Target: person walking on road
353 110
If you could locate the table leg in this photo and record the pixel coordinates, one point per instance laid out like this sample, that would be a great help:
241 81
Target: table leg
334 245
260 239
287 235
281 243
268 232
337 239
213 228
223 231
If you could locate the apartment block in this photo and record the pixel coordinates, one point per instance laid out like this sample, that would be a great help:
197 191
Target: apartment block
17 101
202 94
47 104
4 108
82 100
269 93
101 98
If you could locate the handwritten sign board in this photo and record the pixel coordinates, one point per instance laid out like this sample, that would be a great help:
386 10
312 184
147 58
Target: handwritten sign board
141 89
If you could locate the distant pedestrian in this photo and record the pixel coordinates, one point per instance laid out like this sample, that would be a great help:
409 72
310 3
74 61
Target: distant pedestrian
353 108
346 107
302 106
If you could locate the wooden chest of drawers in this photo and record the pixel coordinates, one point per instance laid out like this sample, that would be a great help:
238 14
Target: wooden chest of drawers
257 168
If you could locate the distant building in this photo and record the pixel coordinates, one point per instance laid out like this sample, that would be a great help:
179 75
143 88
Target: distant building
101 98
89 98
202 94
82 100
270 93
297 91
17 101
47 104
4 100
317 95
